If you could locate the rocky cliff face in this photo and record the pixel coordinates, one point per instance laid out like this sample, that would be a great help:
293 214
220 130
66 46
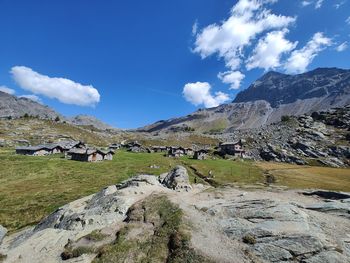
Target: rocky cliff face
12 106
280 89
267 100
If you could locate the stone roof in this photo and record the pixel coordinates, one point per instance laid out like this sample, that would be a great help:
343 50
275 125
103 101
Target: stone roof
89 151
39 147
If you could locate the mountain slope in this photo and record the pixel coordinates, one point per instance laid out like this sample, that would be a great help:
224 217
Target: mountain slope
86 120
266 100
15 107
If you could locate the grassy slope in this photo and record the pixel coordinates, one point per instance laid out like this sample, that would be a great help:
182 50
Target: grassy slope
37 131
32 187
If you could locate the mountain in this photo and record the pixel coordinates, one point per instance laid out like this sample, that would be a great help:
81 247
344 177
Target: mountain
86 120
267 100
15 107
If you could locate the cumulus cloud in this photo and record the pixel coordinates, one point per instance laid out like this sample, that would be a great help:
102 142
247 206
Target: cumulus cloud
300 59
228 40
248 19
234 78
343 46
32 97
199 93
64 90
7 90
267 54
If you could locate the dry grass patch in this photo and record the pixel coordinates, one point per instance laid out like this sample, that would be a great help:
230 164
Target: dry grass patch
308 177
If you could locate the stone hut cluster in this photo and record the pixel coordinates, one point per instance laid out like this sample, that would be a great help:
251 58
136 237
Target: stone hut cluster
73 150
51 148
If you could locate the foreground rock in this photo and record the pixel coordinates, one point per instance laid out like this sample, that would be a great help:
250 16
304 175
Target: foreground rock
177 179
224 225
3 232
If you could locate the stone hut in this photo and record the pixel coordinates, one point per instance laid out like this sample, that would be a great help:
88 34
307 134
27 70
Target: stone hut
158 149
108 155
90 155
67 145
200 154
232 148
40 150
115 146
176 151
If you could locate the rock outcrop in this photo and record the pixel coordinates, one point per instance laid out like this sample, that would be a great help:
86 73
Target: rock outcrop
222 225
177 179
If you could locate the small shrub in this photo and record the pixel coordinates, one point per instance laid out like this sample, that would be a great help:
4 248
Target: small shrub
249 239
95 236
57 119
2 257
347 137
285 118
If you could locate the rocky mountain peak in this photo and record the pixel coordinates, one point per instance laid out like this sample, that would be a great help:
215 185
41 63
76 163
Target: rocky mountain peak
277 88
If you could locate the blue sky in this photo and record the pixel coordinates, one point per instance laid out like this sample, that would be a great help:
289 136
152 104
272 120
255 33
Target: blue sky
131 63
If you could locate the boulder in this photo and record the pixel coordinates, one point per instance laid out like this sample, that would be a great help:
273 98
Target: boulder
177 179
3 232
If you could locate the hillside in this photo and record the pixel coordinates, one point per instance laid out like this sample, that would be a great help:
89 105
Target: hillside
15 107
267 100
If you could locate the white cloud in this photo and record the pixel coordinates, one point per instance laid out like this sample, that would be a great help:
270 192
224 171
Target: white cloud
195 28
267 54
199 94
318 4
248 19
343 46
228 39
65 90
338 5
32 97
300 59
306 3
348 20
234 78
7 90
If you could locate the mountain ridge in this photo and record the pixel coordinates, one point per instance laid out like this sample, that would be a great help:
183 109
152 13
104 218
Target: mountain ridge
266 100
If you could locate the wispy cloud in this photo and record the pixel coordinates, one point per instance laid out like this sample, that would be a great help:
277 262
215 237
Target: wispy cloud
32 97
7 90
62 89
318 4
343 46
